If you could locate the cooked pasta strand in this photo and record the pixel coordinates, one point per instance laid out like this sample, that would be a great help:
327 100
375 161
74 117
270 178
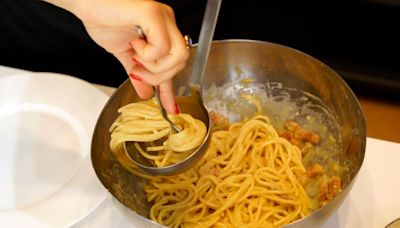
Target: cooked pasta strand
249 177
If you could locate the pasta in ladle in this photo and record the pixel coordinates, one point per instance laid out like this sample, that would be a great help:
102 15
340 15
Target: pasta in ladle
142 122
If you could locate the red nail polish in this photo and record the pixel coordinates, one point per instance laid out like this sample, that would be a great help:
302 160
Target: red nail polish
135 77
176 109
137 62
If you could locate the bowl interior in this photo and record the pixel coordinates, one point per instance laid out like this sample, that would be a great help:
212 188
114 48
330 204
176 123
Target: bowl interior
289 83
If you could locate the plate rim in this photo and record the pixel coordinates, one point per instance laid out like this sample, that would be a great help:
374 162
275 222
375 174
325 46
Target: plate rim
100 96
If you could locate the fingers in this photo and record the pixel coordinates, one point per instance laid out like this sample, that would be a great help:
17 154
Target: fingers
168 54
143 89
156 79
155 28
168 98
159 57
178 52
165 63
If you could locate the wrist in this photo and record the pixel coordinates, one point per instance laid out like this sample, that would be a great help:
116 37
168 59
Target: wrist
68 5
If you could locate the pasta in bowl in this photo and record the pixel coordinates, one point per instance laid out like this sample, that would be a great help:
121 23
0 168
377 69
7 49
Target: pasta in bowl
260 170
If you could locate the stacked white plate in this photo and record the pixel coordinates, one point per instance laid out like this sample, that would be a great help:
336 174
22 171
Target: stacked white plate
46 126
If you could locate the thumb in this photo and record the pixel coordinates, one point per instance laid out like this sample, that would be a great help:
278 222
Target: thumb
139 46
152 48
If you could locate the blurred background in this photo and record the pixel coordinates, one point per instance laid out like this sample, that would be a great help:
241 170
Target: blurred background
359 38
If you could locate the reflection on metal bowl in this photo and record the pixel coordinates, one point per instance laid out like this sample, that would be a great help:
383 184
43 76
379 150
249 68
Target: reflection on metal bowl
276 74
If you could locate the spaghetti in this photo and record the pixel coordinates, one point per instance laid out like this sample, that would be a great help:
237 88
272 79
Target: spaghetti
142 122
249 176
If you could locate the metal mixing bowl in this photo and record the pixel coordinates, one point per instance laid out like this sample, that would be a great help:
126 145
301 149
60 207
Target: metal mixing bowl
232 62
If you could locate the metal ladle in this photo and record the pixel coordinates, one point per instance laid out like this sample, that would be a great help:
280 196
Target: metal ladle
192 105
394 224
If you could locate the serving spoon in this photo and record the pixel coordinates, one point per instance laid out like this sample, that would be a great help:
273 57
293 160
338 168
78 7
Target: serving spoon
192 105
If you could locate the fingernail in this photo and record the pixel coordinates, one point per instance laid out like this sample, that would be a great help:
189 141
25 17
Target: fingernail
176 109
137 62
135 77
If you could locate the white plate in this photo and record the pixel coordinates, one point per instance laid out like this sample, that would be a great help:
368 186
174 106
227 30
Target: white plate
46 126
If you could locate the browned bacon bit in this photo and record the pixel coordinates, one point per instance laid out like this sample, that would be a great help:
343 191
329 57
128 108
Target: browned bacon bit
290 125
307 147
285 134
297 135
329 189
295 142
315 170
310 137
335 185
219 122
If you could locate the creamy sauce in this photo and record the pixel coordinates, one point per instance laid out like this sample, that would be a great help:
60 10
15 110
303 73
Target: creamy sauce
282 104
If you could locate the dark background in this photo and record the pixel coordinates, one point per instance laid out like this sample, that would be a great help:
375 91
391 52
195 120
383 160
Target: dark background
359 39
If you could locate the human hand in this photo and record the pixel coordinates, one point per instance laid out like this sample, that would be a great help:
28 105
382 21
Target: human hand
150 62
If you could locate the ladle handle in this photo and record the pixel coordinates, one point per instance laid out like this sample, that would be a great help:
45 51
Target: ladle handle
205 38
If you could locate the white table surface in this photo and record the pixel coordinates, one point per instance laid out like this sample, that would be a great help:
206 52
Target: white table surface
373 202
